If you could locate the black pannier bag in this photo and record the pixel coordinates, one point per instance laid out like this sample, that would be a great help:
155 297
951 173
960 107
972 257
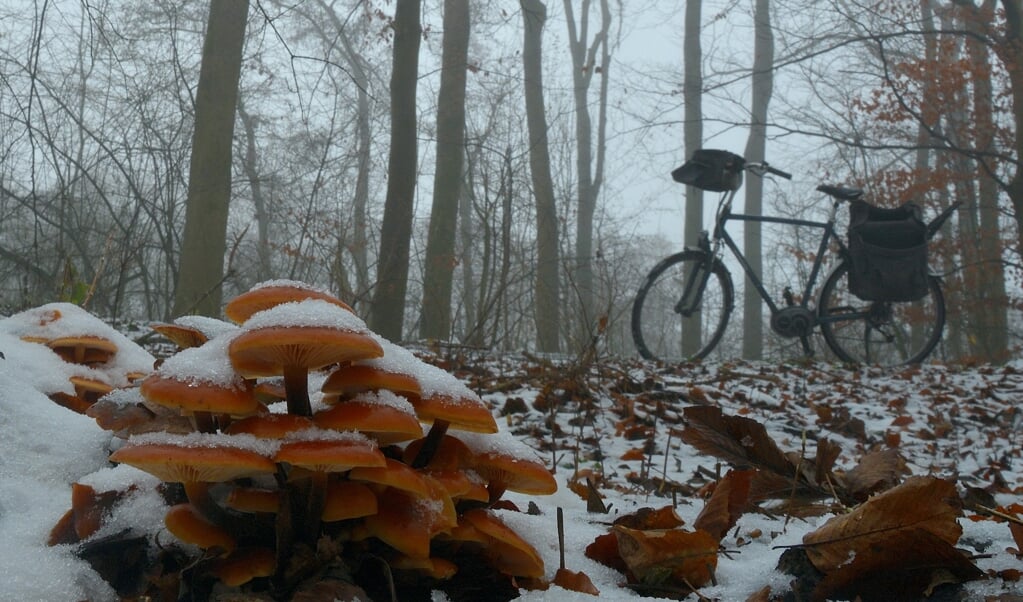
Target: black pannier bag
712 170
888 249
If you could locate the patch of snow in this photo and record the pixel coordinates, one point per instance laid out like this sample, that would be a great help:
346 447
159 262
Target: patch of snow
309 312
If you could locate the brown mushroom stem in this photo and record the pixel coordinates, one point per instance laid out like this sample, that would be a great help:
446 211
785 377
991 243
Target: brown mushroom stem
316 500
431 443
203 422
296 387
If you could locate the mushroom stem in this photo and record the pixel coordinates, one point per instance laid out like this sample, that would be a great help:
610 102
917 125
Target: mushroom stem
296 387
431 443
315 502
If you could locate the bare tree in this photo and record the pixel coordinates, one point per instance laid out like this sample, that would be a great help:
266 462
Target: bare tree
204 242
447 182
763 67
548 323
388 309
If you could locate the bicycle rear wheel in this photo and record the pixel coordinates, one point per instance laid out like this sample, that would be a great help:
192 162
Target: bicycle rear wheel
876 332
670 328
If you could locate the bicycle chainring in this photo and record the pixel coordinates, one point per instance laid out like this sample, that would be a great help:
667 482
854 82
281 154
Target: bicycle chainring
791 322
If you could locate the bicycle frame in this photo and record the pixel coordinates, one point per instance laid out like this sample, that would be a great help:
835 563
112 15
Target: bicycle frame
712 246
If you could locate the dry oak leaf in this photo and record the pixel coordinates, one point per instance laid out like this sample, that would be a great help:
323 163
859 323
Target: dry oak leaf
921 503
668 556
726 504
907 565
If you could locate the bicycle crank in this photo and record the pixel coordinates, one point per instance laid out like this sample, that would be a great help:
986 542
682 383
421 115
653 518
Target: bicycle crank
791 322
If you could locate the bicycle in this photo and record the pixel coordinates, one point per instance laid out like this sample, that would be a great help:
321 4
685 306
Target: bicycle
683 307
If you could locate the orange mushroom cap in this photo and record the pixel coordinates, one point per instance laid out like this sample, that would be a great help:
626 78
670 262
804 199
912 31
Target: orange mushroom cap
253 499
507 463
383 416
267 351
351 379
186 523
407 522
396 475
83 349
244 565
270 426
347 499
185 337
197 457
505 549
272 293
329 451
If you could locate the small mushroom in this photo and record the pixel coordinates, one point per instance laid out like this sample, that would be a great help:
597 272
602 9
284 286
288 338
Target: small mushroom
272 293
291 339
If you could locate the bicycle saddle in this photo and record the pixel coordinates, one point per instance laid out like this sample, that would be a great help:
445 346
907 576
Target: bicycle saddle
841 192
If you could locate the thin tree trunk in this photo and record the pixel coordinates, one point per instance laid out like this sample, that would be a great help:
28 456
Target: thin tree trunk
204 242
584 66
763 84
388 310
251 166
692 96
548 323
447 182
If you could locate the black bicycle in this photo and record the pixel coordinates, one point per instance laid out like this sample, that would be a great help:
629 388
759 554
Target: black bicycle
683 307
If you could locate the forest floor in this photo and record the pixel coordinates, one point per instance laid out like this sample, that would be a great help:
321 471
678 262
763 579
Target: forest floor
763 456
730 482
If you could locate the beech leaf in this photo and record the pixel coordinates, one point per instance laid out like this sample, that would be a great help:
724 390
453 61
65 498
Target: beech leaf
921 503
668 556
740 441
906 565
726 504
575 581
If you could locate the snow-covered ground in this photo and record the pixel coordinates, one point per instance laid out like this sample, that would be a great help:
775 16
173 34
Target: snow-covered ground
618 421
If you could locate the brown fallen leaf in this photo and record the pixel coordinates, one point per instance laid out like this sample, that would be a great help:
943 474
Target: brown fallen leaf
875 472
920 504
668 556
575 581
726 504
906 565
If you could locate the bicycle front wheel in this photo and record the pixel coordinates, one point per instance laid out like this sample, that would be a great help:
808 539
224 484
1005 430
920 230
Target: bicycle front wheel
682 308
877 332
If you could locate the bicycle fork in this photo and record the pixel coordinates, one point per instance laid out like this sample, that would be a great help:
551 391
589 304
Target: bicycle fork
696 280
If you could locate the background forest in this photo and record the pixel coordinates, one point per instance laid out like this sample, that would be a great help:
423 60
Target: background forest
494 174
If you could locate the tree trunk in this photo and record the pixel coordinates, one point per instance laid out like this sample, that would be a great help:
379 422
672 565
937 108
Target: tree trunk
990 307
251 166
692 97
204 242
388 310
763 84
534 14
447 181
584 66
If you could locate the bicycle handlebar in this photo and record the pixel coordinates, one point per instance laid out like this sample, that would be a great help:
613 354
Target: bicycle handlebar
761 168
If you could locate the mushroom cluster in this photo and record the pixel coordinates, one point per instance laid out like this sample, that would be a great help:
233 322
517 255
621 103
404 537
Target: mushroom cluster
297 430
98 358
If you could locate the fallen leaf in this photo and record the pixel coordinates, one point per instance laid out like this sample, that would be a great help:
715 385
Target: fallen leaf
651 518
575 581
920 504
726 504
668 556
905 565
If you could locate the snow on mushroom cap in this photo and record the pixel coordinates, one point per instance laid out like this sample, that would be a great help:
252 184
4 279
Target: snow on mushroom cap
501 443
385 398
308 312
211 327
246 442
57 320
293 284
206 364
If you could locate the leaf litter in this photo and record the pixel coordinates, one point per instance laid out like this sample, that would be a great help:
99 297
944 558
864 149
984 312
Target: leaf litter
738 481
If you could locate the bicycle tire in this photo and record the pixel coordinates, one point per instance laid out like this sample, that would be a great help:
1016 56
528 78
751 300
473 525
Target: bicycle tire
880 333
661 333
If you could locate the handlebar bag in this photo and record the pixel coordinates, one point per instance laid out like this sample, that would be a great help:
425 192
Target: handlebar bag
711 170
888 251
